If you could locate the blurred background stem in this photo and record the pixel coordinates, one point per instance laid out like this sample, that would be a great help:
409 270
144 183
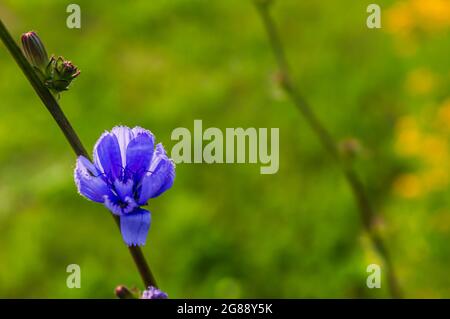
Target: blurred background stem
55 110
365 209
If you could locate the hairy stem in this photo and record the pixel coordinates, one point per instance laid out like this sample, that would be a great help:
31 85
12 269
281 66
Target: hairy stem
365 209
55 110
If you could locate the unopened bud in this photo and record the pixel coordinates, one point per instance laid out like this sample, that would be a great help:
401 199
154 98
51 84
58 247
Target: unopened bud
62 72
123 292
34 50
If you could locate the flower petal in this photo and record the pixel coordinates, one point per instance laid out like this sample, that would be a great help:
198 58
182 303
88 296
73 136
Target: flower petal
89 182
107 156
154 293
124 135
139 130
119 206
139 154
159 178
124 189
134 227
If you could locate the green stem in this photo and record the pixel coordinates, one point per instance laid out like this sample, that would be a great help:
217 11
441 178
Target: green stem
55 110
366 211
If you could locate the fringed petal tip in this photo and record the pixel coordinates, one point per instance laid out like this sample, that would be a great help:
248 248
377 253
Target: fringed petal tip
161 152
129 133
137 130
159 178
88 182
135 226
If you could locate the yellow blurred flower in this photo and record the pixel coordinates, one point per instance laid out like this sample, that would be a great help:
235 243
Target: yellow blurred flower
443 116
408 137
408 186
420 81
432 14
404 17
399 18
434 150
430 147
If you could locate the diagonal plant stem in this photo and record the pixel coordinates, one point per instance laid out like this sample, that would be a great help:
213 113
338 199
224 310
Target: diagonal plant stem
55 110
366 211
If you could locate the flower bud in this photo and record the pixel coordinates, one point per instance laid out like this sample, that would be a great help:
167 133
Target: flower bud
350 148
123 292
62 72
66 70
154 293
34 50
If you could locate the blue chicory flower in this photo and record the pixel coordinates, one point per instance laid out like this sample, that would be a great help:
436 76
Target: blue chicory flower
127 171
154 293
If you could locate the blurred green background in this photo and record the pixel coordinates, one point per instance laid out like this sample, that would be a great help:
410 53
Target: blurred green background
225 230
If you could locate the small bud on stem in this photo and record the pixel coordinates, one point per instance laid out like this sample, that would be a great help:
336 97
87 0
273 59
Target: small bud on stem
55 73
123 292
62 73
34 50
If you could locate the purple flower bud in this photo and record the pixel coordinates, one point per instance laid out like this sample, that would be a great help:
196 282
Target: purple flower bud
34 50
154 293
